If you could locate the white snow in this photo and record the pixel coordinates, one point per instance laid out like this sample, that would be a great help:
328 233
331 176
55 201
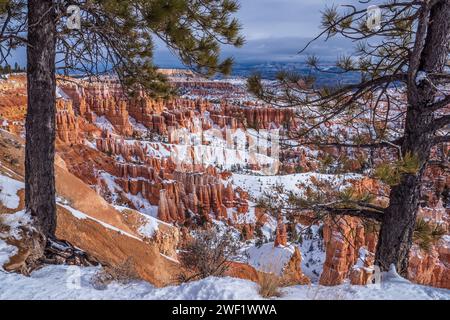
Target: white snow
420 77
149 228
137 126
313 253
15 221
390 289
6 252
8 192
150 224
90 144
270 259
142 204
257 185
170 258
220 151
104 124
71 283
60 94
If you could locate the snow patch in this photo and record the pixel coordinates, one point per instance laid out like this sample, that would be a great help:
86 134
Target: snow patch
270 259
149 228
15 221
6 252
104 124
8 192
420 77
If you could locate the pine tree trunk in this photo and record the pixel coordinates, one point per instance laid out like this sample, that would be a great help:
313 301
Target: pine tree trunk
40 121
396 234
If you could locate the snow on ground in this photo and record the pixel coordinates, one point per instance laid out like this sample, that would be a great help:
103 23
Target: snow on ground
150 225
103 123
90 144
267 258
142 204
211 148
137 126
69 283
60 94
64 282
270 259
8 192
6 252
313 253
257 185
5 169
14 222
392 287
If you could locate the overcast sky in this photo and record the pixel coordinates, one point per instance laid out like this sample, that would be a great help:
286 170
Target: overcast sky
275 30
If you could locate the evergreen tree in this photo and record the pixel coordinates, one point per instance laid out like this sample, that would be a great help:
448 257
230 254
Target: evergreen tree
115 36
403 63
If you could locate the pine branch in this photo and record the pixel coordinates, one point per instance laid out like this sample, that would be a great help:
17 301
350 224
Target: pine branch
441 139
440 123
359 213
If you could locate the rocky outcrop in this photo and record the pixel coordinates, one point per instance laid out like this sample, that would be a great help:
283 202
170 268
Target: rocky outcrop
88 222
176 193
242 271
281 234
343 238
292 273
430 268
258 117
362 273
115 248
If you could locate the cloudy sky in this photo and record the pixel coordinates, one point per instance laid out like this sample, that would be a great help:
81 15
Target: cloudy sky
275 30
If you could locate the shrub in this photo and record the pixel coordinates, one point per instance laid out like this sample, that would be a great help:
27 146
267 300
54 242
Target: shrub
269 285
123 273
208 254
2 219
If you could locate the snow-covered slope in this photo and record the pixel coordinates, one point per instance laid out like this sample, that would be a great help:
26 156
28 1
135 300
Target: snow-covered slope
257 185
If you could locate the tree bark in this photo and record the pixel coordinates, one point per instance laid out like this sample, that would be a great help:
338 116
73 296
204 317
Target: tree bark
396 234
40 120
399 219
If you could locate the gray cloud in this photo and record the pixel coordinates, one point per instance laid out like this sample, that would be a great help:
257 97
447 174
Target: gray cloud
275 31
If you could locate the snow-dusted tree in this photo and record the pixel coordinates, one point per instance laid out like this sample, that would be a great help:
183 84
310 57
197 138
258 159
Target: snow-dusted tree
404 68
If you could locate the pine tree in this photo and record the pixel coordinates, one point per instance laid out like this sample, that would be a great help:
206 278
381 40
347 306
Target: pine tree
404 57
115 36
